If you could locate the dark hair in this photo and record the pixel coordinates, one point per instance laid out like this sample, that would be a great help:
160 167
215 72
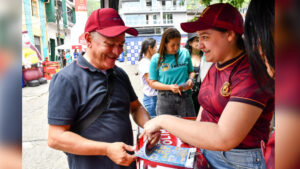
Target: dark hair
190 48
168 34
149 42
239 42
259 29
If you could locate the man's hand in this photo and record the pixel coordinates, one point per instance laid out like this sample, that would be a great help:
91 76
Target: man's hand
153 140
117 153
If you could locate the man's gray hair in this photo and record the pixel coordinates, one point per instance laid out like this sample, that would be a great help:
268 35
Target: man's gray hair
94 34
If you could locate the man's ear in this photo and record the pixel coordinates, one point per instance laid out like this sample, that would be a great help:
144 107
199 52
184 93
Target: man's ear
88 39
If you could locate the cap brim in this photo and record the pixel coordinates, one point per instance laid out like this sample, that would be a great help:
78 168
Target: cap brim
114 31
191 27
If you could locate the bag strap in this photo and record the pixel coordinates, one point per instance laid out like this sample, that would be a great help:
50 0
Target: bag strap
91 117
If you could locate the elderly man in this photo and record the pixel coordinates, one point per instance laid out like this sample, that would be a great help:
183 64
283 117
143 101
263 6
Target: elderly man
78 92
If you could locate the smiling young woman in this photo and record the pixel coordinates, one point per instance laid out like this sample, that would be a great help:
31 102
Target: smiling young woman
236 113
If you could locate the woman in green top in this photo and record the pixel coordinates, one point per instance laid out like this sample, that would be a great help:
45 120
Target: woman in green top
171 73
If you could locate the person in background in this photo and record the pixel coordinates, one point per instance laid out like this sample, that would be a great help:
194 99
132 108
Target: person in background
259 42
63 58
148 49
75 54
171 73
76 92
235 112
201 67
68 57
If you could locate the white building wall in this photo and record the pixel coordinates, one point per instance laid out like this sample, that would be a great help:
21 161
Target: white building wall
177 19
78 28
51 28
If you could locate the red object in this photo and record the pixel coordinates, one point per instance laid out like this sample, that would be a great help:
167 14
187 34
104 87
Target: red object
81 39
31 74
50 68
169 139
80 5
269 152
218 15
77 47
107 22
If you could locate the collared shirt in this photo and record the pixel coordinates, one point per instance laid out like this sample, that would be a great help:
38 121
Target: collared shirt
76 91
243 89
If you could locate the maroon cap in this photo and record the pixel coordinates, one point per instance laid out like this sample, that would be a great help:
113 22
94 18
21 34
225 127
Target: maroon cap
220 15
107 22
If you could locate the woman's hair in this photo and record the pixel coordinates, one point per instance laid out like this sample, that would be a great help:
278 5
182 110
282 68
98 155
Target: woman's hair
168 34
259 30
149 42
190 48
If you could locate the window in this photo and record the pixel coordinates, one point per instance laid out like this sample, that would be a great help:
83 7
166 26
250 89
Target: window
34 9
174 2
168 18
148 2
37 43
163 3
147 19
70 14
157 31
154 19
181 3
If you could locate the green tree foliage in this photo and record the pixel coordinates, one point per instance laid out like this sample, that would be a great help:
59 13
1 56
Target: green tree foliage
206 2
192 4
193 19
92 5
236 3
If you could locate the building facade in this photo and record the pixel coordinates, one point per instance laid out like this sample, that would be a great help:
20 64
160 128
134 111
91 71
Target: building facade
152 17
60 19
34 22
48 23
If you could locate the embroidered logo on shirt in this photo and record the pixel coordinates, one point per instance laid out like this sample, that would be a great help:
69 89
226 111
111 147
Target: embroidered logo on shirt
226 89
165 66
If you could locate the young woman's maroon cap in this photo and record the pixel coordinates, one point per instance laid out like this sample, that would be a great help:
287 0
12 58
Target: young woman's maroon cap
220 15
107 22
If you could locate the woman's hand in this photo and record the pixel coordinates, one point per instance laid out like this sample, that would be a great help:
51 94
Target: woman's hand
175 88
189 85
151 130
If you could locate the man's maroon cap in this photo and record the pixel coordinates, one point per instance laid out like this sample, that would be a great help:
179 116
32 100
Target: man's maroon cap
220 15
107 22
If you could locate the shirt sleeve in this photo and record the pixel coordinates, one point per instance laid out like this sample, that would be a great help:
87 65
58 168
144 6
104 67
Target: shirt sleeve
62 101
247 91
144 67
153 71
189 59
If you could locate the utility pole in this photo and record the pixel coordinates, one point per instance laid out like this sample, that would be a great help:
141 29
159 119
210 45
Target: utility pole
110 4
58 16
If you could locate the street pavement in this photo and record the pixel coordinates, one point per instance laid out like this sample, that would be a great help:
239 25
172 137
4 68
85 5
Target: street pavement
36 153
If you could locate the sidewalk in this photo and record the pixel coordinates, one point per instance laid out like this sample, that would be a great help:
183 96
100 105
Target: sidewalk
36 153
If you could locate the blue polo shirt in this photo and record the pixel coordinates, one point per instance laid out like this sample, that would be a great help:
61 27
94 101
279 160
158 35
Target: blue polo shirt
75 92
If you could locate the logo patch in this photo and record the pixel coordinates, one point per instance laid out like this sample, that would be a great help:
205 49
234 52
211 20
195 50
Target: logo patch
164 67
226 89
